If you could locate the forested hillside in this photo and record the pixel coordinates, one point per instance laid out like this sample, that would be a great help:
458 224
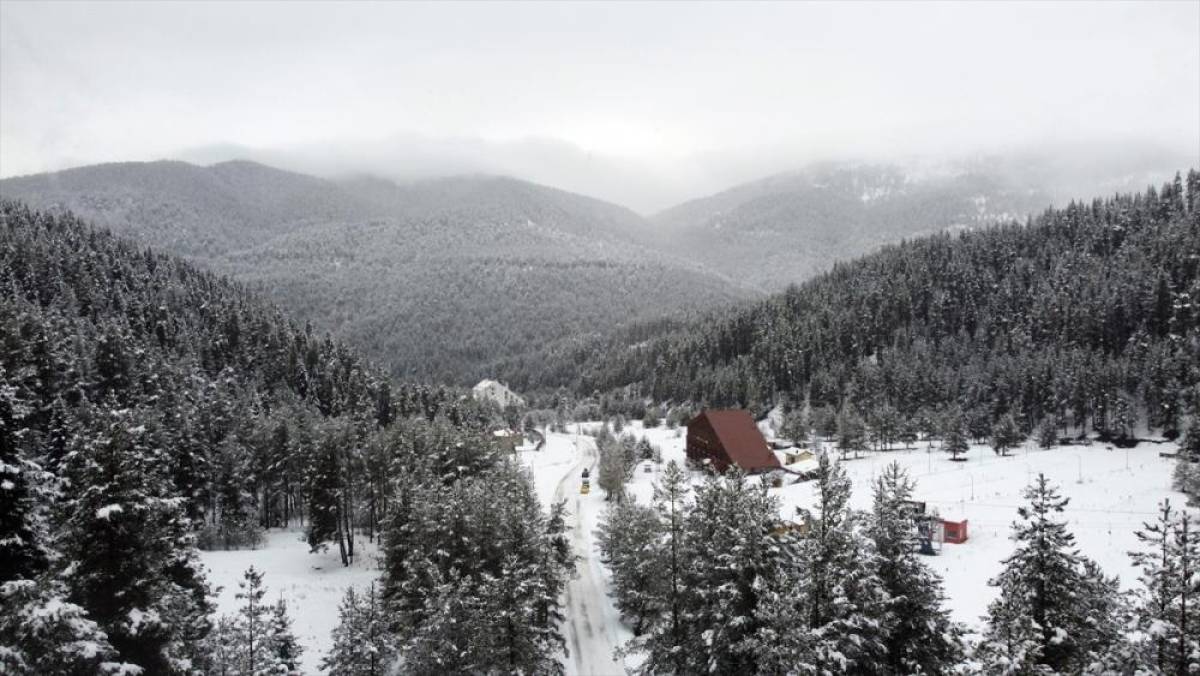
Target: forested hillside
786 228
148 407
1086 316
431 279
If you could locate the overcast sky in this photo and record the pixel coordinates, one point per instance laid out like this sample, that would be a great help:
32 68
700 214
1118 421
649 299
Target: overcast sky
655 86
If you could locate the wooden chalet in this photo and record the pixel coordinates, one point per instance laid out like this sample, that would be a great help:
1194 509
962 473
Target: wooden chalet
729 437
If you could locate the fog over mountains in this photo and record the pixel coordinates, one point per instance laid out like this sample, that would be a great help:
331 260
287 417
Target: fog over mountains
437 278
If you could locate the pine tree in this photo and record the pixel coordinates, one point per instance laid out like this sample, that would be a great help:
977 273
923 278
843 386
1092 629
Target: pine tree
730 553
851 432
629 538
1165 616
1048 433
43 633
667 639
150 605
828 612
795 426
252 625
954 435
1006 434
923 639
283 649
1041 619
363 645
23 550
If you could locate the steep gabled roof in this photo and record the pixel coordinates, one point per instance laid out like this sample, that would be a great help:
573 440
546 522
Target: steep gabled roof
741 438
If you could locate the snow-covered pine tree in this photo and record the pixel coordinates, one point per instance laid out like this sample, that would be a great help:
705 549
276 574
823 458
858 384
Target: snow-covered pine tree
41 632
851 431
252 624
828 611
237 509
666 641
283 649
474 573
363 645
1041 620
1166 626
922 638
23 547
629 538
1047 433
795 426
954 434
324 491
730 552
151 604
1006 434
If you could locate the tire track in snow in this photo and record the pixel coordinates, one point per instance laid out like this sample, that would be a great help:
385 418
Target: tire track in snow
591 616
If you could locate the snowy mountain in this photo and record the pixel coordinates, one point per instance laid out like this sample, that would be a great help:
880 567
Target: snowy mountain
432 278
786 228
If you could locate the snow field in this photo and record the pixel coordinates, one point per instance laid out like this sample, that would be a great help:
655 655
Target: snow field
312 584
1112 493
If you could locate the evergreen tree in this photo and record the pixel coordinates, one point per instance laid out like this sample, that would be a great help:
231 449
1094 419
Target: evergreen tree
283 650
954 436
667 640
628 539
363 645
851 432
1006 435
795 427
23 550
43 633
1041 619
252 625
923 639
1048 433
1166 624
149 604
827 611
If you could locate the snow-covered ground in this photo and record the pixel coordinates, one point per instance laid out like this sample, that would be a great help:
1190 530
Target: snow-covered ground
312 584
1112 492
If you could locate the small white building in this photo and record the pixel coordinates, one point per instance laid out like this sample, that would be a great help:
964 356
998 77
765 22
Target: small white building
492 390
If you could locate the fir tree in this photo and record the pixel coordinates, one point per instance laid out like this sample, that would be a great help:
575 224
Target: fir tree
1006 435
363 645
1041 619
148 604
1166 622
851 432
667 639
1047 435
954 436
43 633
628 539
828 612
283 649
923 639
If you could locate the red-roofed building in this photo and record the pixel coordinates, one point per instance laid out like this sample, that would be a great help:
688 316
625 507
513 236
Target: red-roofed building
729 437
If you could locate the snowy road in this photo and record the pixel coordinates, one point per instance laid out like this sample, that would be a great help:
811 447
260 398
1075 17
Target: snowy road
593 628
